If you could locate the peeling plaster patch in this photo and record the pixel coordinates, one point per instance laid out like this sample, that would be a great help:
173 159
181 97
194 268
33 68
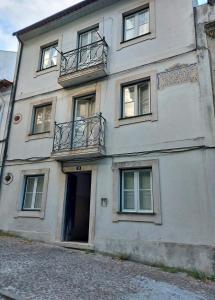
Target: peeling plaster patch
178 74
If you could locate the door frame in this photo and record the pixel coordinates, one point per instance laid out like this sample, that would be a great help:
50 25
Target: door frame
92 96
62 205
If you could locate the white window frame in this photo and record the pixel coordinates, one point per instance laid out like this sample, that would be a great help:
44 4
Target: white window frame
89 48
128 9
121 216
34 118
43 50
136 98
136 192
20 213
34 192
127 81
42 102
136 23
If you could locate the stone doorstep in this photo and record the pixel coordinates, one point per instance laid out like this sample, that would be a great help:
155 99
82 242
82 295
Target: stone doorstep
10 295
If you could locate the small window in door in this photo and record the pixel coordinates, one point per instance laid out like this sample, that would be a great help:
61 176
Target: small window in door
88 48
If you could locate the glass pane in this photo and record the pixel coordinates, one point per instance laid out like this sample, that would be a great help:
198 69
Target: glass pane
130 27
129 34
46 58
38 201
144 17
95 52
38 126
47 118
53 56
82 109
144 29
129 22
143 92
129 110
30 184
27 200
94 35
84 39
129 94
145 179
129 180
84 55
40 181
129 200
145 200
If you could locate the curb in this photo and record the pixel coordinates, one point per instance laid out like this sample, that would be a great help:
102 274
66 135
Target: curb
10 295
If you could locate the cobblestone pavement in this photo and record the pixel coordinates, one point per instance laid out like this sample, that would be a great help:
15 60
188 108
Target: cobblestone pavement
32 270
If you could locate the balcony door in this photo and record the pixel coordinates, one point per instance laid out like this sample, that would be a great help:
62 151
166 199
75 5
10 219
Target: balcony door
88 48
83 121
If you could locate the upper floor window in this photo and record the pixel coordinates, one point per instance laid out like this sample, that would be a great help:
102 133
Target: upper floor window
33 192
136 99
89 49
48 57
136 191
42 119
136 24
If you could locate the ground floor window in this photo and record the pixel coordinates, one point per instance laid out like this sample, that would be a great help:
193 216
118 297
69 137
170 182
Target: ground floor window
31 200
136 191
33 192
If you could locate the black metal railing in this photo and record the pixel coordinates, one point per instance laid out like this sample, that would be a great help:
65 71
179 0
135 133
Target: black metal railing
80 134
84 57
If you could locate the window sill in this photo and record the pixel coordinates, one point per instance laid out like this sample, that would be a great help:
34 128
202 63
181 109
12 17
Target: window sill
46 71
137 217
136 119
37 136
30 214
136 40
136 213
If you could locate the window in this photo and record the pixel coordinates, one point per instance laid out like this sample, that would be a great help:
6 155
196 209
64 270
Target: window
42 119
89 49
136 99
136 191
48 57
33 192
136 24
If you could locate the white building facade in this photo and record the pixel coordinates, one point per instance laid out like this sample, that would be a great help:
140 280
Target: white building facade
7 68
112 141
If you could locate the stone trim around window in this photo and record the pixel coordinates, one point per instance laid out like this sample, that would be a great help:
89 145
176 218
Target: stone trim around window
32 214
30 136
129 9
47 42
153 116
119 216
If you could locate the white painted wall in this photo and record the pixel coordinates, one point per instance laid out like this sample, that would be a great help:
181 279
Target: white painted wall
184 120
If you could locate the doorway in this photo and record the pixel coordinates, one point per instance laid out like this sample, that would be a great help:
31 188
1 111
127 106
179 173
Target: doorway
84 110
77 208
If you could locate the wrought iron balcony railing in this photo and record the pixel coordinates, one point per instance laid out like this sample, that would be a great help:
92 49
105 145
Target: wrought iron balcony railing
84 57
84 133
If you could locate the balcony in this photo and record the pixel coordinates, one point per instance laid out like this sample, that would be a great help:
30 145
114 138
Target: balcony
84 138
83 64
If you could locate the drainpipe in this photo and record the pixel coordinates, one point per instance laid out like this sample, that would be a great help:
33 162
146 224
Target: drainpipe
11 109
